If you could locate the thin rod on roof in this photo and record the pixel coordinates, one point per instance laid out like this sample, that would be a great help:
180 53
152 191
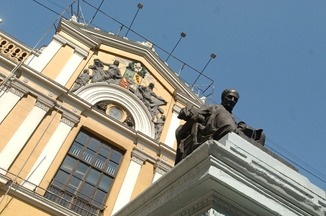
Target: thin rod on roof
182 36
212 57
95 13
140 6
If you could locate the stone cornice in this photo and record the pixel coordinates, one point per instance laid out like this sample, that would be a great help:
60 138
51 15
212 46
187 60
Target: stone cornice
167 151
67 27
19 86
148 142
44 103
176 109
142 155
162 167
68 117
78 49
16 92
138 156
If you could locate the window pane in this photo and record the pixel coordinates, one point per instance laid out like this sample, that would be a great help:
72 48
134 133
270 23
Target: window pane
73 185
86 192
93 177
60 178
105 151
76 149
80 170
93 144
105 183
116 156
99 162
99 198
111 168
88 155
68 164
81 138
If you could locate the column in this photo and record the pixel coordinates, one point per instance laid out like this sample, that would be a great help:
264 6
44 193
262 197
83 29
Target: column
8 101
129 182
50 151
39 63
174 124
161 167
25 130
71 66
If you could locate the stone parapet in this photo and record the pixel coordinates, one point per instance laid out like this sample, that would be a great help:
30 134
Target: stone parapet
229 177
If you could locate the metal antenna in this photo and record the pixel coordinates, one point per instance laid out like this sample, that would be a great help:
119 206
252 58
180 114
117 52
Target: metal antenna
140 6
212 57
182 36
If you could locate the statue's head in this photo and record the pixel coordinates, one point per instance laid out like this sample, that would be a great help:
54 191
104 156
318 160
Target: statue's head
229 98
116 62
98 63
151 86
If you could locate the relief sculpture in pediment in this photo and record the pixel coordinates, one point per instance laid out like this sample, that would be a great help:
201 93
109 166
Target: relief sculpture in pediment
135 78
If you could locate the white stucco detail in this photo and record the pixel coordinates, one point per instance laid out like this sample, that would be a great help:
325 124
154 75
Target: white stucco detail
69 68
156 176
39 63
96 92
47 156
18 140
174 124
127 186
7 102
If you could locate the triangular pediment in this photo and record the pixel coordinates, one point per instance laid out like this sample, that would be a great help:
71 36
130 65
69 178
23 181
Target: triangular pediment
108 48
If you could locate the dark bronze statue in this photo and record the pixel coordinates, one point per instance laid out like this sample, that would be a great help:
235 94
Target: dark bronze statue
212 122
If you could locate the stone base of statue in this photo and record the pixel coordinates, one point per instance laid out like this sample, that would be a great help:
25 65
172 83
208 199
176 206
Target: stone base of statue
229 177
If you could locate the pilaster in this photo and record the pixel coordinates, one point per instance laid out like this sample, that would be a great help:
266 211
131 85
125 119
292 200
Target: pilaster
174 124
24 132
137 160
50 151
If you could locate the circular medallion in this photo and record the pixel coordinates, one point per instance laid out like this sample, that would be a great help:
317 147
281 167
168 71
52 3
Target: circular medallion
116 113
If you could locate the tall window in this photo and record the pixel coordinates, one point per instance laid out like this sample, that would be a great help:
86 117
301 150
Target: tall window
85 176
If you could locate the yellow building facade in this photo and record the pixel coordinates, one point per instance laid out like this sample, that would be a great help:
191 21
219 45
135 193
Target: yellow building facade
86 123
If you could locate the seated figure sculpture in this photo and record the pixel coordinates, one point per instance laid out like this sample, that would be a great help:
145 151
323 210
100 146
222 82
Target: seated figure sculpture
212 122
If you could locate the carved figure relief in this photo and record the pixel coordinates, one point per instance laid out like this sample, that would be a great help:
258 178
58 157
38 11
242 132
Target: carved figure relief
158 125
134 79
82 80
151 100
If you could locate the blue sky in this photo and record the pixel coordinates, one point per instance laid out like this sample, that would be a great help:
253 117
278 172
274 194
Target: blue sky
272 51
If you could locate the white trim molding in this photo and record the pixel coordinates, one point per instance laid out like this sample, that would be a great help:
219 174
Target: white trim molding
96 92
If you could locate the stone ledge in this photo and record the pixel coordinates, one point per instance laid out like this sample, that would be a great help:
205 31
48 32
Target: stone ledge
224 168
